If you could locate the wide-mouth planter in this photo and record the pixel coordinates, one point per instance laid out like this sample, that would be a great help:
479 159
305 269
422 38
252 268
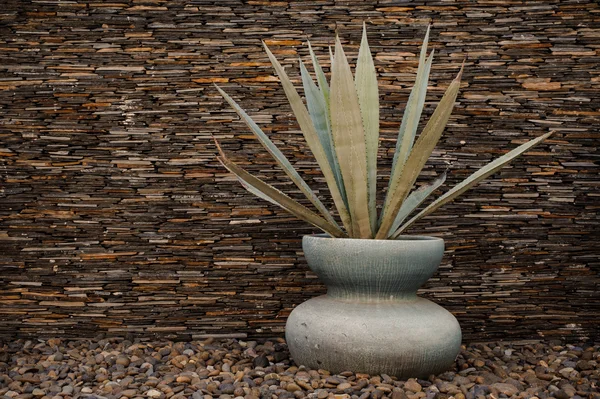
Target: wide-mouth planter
371 319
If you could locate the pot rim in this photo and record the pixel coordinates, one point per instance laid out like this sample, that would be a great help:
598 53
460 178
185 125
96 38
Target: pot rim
402 238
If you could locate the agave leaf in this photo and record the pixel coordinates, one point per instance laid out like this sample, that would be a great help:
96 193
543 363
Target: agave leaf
472 180
319 114
263 190
419 155
412 115
410 119
325 93
317 110
321 79
368 98
414 106
312 138
279 157
330 59
415 199
349 141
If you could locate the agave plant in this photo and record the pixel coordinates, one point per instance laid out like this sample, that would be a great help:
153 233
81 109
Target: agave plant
340 123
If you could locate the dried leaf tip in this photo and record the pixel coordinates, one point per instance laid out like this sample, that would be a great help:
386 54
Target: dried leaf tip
364 38
462 67
426 39
268 51
337 49
550 133
221 91
219 147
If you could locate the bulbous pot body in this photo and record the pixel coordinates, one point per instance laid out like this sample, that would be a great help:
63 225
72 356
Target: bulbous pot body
371 319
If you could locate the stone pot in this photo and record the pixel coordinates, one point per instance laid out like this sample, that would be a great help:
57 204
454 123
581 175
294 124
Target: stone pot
371 319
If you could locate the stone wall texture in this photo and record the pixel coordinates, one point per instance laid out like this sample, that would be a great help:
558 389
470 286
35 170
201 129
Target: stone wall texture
116 218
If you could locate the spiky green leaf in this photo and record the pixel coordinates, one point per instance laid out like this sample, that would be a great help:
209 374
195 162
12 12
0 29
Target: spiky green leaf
264 190
415 199
279 157
330 59
321 79
319 114
414 106
312 138
317 110
349 141
475 178
368 99
410 119
418 156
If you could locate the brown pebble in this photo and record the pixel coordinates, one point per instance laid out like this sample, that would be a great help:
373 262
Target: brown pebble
385 388
399 394
292 387
130 393
344 385
304 385
412 385
123 360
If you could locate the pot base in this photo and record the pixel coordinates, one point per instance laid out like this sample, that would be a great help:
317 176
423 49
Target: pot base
408 338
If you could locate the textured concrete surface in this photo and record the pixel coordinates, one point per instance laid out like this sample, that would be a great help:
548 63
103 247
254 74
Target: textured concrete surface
372 321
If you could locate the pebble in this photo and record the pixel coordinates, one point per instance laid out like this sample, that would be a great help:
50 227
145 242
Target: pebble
507 389
67 389
232 369
261 361
398 394
292 387
123 361
184 379
565 372
226 388
153 393
344 385
412 385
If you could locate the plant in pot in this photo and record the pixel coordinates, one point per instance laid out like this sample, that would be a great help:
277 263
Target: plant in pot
371 319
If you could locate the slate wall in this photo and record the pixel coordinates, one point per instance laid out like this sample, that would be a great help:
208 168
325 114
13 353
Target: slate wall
115 217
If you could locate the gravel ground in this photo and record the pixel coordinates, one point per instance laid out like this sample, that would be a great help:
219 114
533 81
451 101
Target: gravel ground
228 369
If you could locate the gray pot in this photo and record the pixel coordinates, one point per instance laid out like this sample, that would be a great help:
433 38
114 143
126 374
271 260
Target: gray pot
371 320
